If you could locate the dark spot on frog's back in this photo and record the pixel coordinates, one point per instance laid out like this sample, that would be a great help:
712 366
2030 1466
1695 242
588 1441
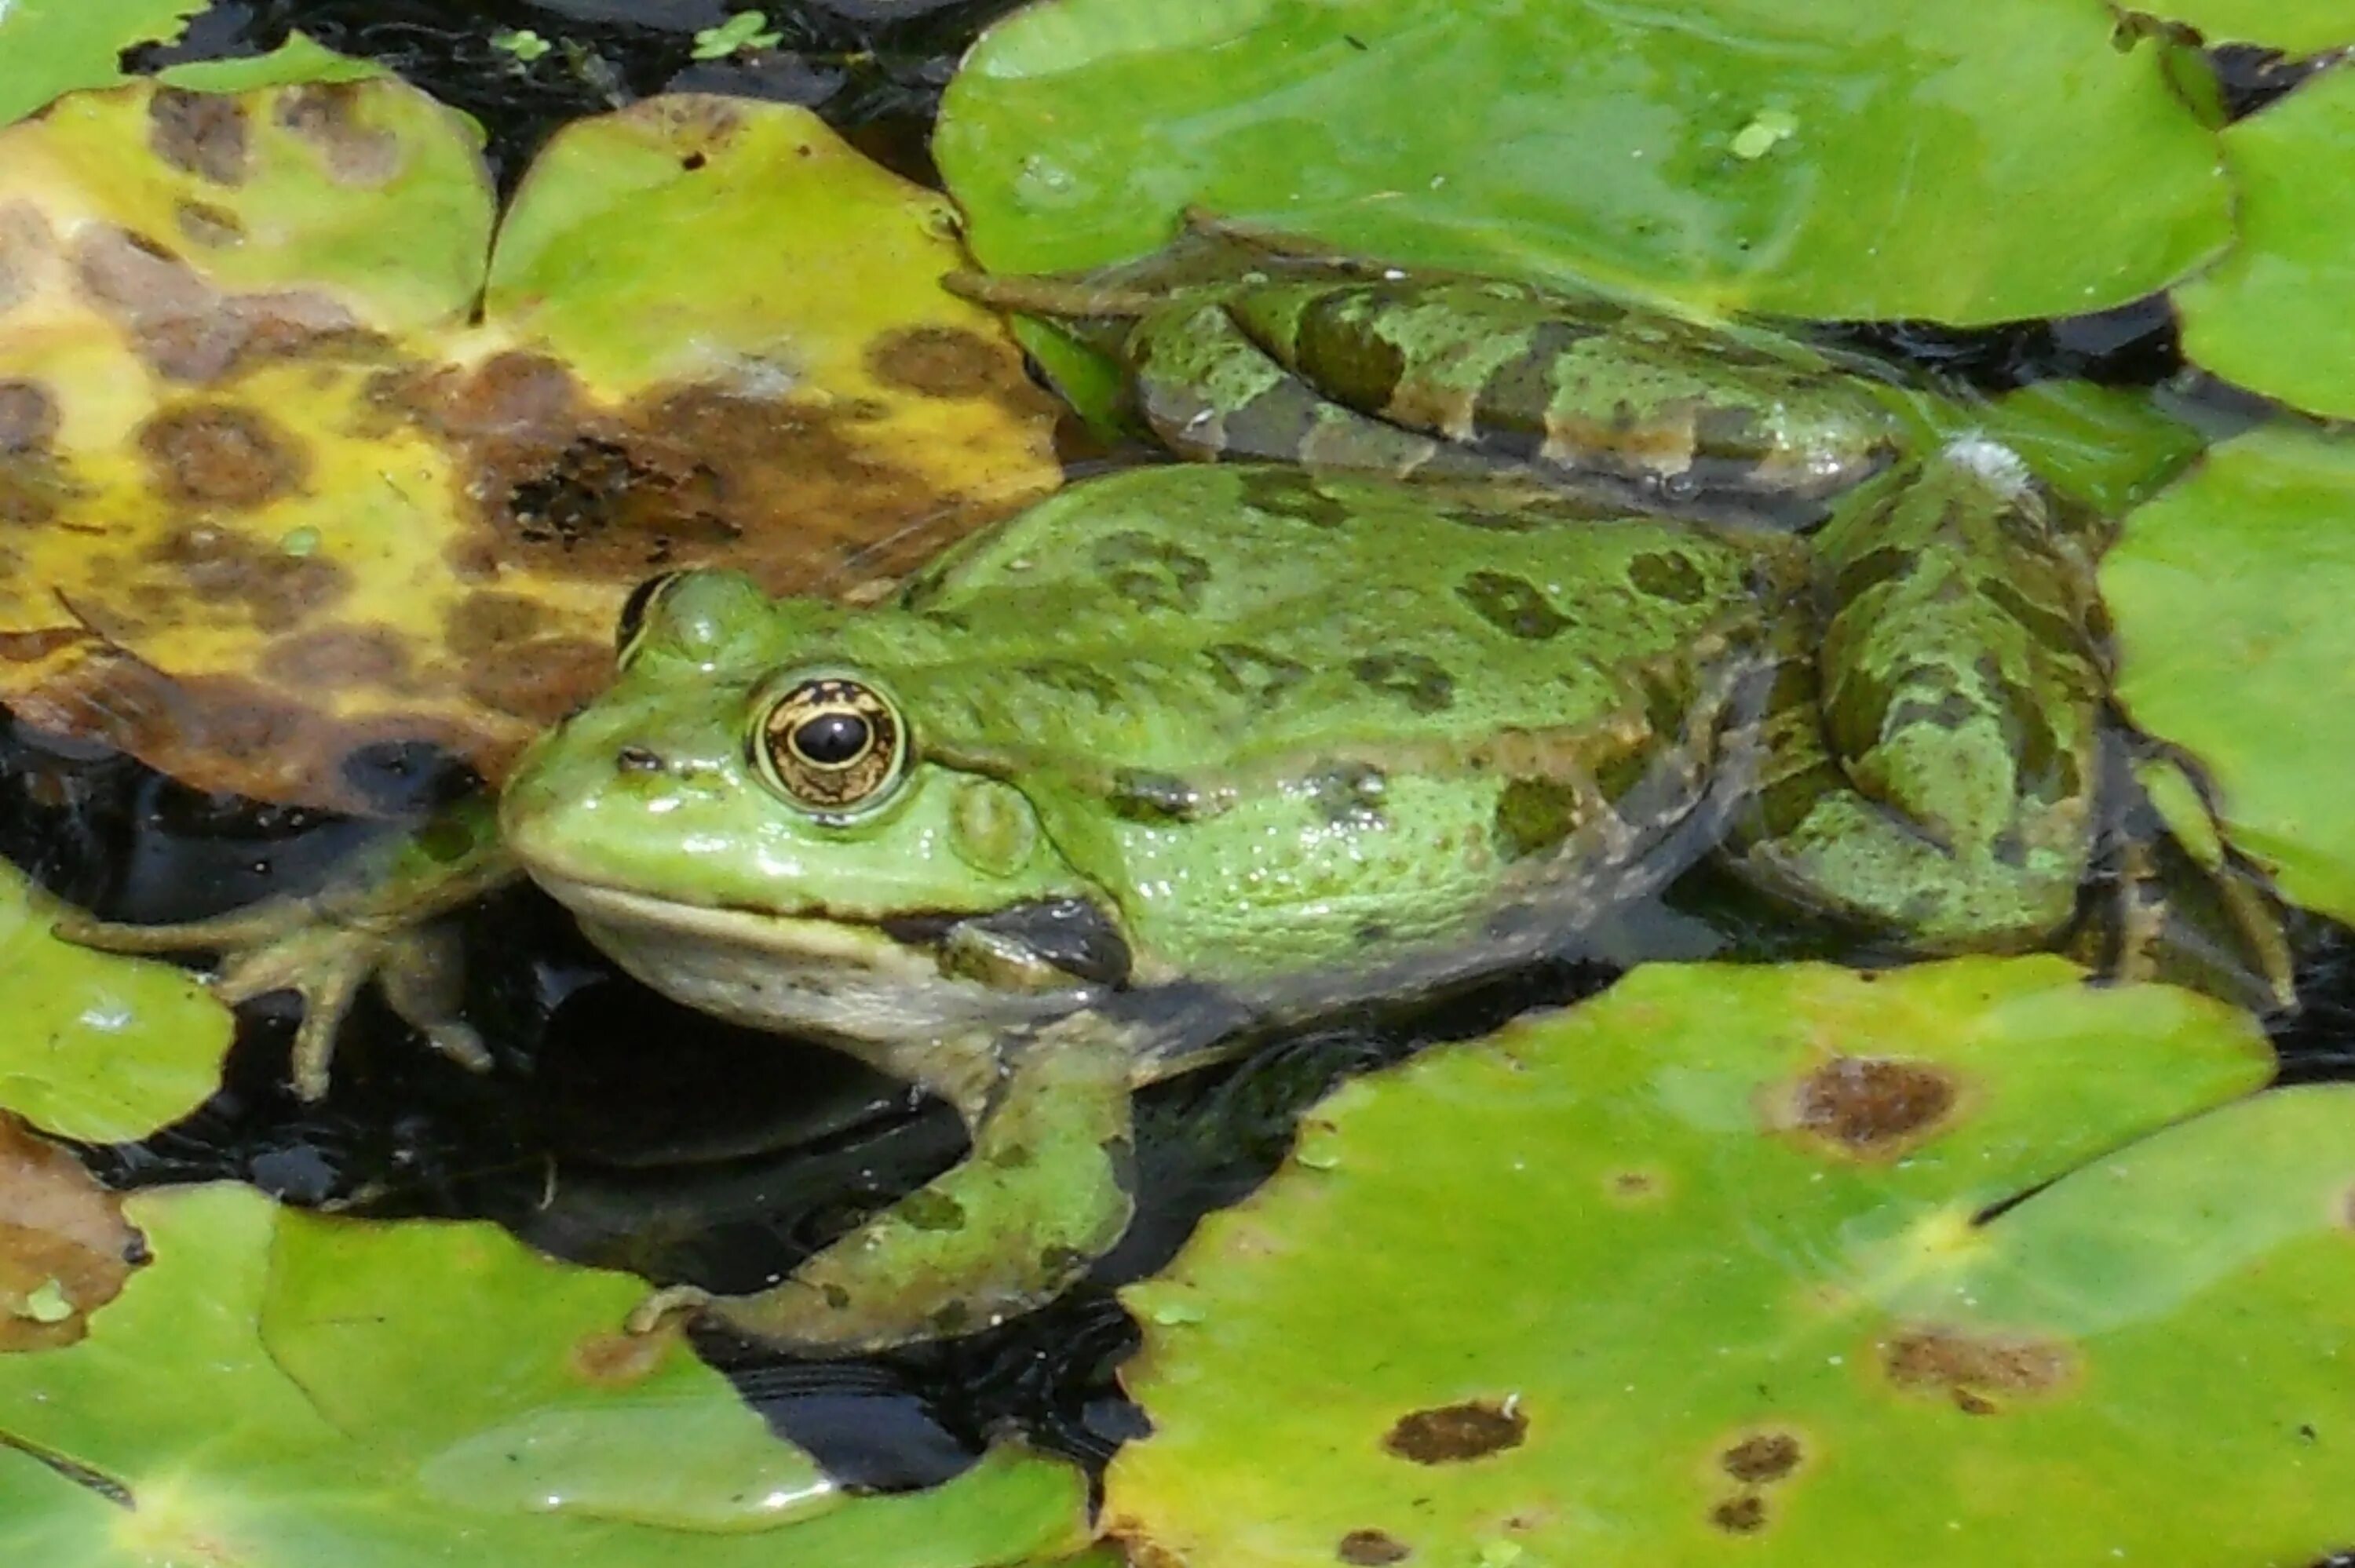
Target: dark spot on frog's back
201 133
224 455
1138 795
1242 670
1349 794
1450 1433
1421 681
1290 492
1664 575
1873 1107
1514 606
1151 573
1371 1549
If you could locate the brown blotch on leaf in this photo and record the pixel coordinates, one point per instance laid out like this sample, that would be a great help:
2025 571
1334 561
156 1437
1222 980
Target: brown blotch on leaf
225 732
27 247
28 418
1761 1457
1976 1371
542 680
202 223
1451 1433
224 455
1632 1186
1872 1106
617 1360
60 1234
339 658
188 331
1744 1515
322 113
940 361
278 591
1372 1549
201 133
484 623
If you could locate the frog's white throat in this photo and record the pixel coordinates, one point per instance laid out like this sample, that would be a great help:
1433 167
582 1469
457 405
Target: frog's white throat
834 981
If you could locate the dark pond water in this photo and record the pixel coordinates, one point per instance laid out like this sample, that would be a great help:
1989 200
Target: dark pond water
621 1130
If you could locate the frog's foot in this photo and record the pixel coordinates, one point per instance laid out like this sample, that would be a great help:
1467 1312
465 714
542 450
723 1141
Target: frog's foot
374 920
289 944
2179 905
1044 1192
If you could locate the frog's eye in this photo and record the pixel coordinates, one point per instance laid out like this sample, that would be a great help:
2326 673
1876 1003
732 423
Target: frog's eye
637 611
833 745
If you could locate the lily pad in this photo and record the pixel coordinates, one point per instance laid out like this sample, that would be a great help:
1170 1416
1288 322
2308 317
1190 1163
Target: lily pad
2230 595
275 498
2266 314
53 47
99 1047
278 1388
2293 26
1845 158
1717 1268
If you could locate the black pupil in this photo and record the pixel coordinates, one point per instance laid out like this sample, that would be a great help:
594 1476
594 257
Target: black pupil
832 739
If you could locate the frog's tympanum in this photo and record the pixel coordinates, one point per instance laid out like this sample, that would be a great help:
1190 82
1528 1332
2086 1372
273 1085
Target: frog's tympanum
1187 752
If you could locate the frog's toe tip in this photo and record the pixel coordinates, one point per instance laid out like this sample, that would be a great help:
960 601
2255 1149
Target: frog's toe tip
677 1304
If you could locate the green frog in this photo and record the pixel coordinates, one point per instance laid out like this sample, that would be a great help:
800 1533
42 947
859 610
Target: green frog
1187 754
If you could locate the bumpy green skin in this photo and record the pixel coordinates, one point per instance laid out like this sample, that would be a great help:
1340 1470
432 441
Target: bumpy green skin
1277 742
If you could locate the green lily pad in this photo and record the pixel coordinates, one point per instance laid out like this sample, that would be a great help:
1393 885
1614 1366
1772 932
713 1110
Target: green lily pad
48 47
278 1388
1701 1271
274 495
2294 27
1843 158
2267 315
99 1047
2230 595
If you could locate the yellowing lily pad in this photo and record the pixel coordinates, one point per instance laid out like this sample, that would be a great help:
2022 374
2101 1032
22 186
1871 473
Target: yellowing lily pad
282 1389
1837 158
1715 1269
99 1047
273 497
2230 593
2270 315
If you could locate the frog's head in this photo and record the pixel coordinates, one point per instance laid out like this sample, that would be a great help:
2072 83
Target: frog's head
748 822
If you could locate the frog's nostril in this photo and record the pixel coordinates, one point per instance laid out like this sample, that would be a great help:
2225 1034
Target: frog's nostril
637 760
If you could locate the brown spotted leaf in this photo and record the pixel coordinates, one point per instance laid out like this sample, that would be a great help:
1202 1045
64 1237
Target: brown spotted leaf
1726 1266
268 495
64 1247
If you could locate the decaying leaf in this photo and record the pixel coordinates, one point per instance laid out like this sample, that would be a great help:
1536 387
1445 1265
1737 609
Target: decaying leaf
270 494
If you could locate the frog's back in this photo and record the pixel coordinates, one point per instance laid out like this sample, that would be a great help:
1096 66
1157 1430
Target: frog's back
1205 620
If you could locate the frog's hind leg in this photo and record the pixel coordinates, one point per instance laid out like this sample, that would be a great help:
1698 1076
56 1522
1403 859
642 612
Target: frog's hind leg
1932 770
1045 1192
2173 900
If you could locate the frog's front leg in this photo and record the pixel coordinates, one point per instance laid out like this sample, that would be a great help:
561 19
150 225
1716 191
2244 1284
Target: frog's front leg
1932 771
375 919
1045 1190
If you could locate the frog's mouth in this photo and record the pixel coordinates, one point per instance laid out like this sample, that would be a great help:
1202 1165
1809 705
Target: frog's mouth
856 979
